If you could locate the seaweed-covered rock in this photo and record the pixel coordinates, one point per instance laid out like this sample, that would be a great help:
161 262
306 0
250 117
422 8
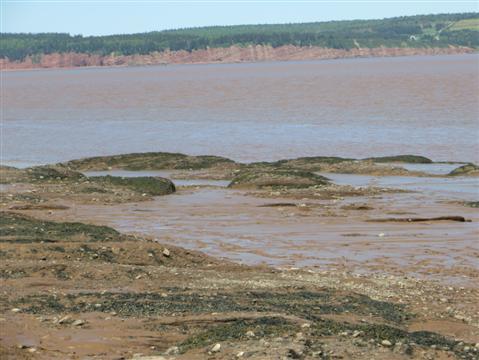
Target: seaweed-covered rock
465 170
25 229
148 161
149 185
9 174
52 172
310 163
410 159
259 178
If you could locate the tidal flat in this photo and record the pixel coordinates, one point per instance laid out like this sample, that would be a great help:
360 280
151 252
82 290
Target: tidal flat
174 256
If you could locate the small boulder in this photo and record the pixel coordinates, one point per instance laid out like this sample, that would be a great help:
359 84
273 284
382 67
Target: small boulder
386 343
216 348
78 322
174 350
465 170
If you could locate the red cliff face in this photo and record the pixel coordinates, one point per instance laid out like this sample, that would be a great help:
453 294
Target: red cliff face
219 55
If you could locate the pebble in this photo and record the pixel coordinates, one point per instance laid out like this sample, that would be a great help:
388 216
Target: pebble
381 234
174 350
216 348
250 334
166 252
386 343
240 354
64 319
356 333
16 310
78 322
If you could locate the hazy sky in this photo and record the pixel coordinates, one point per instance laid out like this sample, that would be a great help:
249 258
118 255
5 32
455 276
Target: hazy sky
89 17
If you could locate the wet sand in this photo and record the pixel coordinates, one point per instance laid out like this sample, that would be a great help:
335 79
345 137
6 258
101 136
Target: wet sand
331 233
318 234
308 271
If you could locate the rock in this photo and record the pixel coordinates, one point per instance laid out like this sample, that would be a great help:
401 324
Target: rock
64 319
78 322
295 354
149 185
306 326
149 161
381 234
16 310
356 333
166 252
240 354
250 334
468 169
260 178
216 348
386 343
408 159
174 350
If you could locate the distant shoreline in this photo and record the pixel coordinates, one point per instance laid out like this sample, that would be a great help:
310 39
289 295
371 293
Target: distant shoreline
233 54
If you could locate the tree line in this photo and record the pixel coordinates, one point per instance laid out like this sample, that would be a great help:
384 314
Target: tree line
410 31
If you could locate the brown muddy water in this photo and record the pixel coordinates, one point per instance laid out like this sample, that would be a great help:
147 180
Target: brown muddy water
205 215
252 112
248 112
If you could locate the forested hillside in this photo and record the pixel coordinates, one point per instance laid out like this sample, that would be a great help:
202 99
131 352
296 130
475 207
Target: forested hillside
421 31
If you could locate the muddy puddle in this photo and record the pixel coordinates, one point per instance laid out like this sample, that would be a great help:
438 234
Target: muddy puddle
452 188
314 233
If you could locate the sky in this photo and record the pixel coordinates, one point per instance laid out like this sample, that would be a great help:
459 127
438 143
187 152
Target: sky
91 17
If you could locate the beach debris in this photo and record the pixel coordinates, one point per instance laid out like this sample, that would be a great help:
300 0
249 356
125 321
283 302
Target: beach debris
278 205
418 219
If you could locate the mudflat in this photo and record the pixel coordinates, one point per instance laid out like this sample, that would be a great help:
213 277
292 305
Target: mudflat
162 256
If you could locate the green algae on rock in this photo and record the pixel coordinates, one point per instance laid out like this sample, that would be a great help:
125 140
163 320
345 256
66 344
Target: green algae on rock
154 186
25 229
310 163
148 161
53 172
409 159
277 178
44 173
465 170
